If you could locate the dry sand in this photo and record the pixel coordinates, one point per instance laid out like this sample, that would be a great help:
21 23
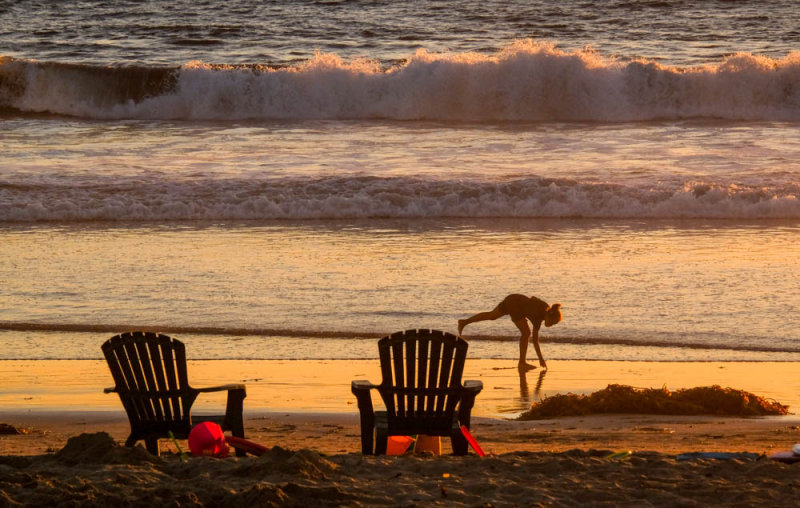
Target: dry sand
339 433
316 462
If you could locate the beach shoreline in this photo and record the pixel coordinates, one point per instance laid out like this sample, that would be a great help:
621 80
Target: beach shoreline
309 386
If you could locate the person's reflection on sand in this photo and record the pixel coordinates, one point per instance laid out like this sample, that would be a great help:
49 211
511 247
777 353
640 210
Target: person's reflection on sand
524 390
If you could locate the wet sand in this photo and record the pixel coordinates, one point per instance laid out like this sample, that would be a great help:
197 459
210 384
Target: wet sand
312 399
324 386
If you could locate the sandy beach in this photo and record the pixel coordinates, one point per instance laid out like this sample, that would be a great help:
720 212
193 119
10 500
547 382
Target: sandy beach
315 461
67 454
279 184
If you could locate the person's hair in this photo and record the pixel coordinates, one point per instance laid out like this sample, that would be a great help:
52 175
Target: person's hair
553 314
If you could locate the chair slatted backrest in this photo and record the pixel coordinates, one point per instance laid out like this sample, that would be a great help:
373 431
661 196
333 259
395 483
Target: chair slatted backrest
149 372
421 372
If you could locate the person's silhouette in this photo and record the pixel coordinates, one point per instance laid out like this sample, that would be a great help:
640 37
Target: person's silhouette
521 309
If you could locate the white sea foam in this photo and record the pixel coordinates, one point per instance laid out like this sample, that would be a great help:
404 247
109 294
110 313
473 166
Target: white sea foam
528 81
373 197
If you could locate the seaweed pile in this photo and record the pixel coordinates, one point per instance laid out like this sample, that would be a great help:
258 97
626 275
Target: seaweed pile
704 400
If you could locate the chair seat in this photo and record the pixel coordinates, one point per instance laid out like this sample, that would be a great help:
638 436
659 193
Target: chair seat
416 425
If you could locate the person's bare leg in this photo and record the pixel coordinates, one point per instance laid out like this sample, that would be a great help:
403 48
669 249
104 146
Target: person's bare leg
525 332
481 316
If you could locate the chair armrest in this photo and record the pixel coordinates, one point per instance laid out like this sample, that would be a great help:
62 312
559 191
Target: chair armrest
360 389
110 390
473 386
471 390
221 388
361 385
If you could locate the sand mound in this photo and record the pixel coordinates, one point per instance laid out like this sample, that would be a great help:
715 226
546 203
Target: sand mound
708 400
10 430
303 463
100 448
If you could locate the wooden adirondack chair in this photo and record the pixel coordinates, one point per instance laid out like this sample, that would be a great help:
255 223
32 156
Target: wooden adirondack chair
150 377
421 389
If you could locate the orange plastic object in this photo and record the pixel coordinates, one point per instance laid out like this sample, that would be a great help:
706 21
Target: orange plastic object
207 439
248 446
472 441
398 445
431 444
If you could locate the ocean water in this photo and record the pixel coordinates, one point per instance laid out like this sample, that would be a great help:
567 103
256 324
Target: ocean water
290 180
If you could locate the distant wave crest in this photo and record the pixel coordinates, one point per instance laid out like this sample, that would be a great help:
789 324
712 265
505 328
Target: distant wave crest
528 81
351 197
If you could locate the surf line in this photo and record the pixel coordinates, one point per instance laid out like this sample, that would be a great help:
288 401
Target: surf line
329 334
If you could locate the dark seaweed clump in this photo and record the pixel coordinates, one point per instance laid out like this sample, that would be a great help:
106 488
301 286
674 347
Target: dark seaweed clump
704 400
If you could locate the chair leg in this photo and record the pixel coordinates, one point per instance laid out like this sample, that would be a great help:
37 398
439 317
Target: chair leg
367 429
367 432
233 412
151 443
234 419
381 440
459 442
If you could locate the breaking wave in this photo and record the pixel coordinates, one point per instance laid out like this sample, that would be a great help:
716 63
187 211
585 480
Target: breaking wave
528 81
351 197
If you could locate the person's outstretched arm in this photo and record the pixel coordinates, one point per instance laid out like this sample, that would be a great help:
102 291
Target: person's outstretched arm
535 340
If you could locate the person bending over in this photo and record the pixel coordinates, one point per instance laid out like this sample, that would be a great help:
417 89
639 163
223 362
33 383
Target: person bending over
521 309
